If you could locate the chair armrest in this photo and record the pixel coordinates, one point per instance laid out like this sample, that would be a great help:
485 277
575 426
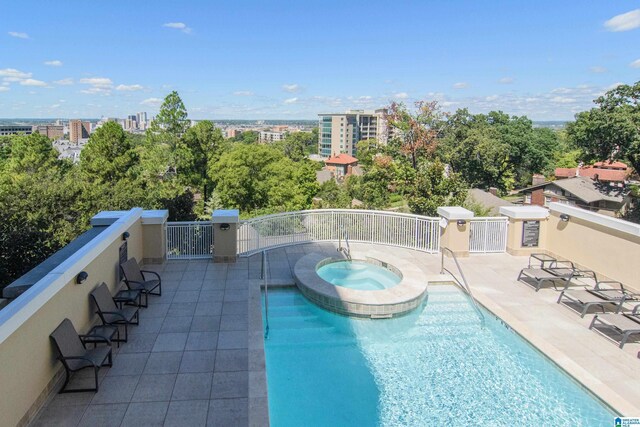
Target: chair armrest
102 337
635 309
79 358
615 282
150 272
115 313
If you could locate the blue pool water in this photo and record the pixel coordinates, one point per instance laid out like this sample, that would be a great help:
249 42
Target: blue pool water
358 275
435 366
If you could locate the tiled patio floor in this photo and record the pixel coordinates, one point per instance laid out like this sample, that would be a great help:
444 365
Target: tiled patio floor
191 360
186 364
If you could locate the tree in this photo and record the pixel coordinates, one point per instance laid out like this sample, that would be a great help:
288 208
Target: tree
172 117
108 156
197 149
611 131
418 132
435 187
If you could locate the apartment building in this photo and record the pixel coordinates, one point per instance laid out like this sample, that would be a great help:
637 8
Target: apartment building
15 129
340 132
78 130
267 136
50 131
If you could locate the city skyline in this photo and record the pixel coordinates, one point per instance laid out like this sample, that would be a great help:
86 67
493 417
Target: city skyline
291 61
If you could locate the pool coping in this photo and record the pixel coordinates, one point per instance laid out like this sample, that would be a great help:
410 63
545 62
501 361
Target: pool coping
577 373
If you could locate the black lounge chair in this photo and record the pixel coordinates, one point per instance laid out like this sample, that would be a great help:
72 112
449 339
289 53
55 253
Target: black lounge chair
136 279
109 312
74 355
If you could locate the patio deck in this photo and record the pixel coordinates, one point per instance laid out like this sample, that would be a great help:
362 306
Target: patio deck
194 358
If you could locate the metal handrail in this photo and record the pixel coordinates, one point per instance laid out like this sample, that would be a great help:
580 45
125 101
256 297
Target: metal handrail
263 275
347 250
464 284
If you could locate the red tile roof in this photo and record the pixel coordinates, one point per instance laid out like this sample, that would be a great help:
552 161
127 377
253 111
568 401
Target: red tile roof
612 175
610 165
341 159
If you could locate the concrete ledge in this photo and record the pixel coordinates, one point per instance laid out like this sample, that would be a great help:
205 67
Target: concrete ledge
455 212
596 218
524 212
386 303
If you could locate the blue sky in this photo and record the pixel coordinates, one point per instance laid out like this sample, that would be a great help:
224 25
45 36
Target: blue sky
295 59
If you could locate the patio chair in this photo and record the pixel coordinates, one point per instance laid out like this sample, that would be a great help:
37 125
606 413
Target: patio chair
587 298
625 324
109 312
74 355
136 279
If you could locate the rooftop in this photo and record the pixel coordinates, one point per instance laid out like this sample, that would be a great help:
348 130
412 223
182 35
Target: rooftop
341 159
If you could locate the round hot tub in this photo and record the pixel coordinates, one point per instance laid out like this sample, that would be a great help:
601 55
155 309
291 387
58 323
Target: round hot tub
362 288
359 274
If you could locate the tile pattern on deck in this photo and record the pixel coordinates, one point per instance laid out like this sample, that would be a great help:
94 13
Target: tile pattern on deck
185 364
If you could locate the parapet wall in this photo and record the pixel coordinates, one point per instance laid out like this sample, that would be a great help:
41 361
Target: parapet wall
28 366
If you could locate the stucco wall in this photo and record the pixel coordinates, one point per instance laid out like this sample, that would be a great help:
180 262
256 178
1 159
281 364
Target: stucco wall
27 358
514 237
612 253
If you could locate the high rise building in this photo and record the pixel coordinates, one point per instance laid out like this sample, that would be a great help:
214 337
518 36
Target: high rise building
340 132
79 130
50 131
142 120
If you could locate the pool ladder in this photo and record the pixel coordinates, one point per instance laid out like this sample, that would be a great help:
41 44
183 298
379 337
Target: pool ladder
462 284
264 273
346 250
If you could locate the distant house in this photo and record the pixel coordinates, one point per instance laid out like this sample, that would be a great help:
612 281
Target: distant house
605 172
341 165
587 193
487 200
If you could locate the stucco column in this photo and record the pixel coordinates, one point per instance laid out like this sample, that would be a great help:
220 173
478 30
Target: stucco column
454 229
154 236
527 231
225 235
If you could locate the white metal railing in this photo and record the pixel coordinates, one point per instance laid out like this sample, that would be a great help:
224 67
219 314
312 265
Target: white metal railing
189 240
290 228
462 284
488 234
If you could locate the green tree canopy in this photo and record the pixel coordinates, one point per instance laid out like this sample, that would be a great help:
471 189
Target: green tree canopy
109 155
611 131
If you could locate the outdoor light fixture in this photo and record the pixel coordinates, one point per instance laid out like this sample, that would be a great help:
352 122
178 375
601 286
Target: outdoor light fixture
224 226
125 235
82 277
461 222
565 217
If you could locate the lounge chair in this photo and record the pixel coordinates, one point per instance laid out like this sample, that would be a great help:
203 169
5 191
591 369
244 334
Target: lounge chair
136 279
542 275
625 324
74 355
109 312
600 295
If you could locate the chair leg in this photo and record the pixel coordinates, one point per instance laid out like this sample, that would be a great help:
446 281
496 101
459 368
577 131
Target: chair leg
95 370
593 322
625 337
66 381
560 297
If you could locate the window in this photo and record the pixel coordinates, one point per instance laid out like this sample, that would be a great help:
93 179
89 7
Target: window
527 198
547 200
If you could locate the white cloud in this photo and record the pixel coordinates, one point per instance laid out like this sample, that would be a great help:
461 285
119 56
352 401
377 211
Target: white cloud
491 98
597 69
96 90
460 85
178 26
129 88
152 102
635 64
506 80
291 100
4 89
12 73
624 22
54 63
55 106
64 82
291 88
562 100
401 95
97 81
243 93
18 35
613 86
32 82
561 90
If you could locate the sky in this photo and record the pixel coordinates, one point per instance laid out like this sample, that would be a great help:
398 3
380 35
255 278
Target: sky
272 59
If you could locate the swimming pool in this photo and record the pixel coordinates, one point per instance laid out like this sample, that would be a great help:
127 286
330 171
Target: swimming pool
359 275
434 366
